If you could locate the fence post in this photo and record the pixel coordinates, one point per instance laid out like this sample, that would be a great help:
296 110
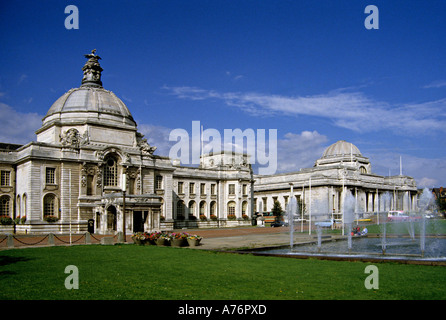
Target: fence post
10 241
87 238
51 239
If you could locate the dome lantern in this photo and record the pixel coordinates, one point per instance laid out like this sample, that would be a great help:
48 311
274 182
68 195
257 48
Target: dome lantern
92 71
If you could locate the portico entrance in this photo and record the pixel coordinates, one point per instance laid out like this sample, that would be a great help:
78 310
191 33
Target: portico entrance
138 220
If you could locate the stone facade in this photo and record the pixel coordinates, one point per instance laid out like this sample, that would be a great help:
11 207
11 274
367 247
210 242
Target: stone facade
321 190
90 163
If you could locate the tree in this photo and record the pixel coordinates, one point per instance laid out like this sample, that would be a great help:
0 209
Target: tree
277 210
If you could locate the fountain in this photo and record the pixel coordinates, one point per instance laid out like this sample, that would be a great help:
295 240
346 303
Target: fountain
291 210
397 240
424 202
319 238
349 215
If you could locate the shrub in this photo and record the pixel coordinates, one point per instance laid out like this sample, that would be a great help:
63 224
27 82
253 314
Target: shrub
213 217
51 218
6 220
203 217
231 217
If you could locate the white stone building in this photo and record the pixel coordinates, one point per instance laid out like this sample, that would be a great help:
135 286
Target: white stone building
322 188
90 163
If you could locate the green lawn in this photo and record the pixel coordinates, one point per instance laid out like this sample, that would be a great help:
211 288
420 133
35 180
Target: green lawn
434 227
150 272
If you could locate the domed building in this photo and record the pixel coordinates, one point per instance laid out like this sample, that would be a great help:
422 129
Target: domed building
91 168
346 153
89 163
321 190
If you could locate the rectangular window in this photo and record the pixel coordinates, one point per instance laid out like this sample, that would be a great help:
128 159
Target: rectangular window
213 189
245 189
5 178
110 173
180 187
191 188
4 206
90 185
202 189
159 182
232 188
50 176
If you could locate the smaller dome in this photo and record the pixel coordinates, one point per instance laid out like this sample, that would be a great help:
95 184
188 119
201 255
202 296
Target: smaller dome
341 148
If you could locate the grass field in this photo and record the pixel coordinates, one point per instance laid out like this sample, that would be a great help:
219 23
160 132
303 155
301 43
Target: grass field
150 272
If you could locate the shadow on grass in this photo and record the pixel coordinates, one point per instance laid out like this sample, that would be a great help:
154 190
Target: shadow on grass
5 260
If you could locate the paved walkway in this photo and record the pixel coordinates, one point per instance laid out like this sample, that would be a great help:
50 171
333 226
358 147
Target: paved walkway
227 239
213 239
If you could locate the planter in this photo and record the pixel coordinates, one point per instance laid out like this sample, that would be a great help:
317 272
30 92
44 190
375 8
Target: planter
178 242
139 242
150 242
193 242
160 242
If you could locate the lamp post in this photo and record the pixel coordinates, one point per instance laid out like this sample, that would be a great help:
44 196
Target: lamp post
124 185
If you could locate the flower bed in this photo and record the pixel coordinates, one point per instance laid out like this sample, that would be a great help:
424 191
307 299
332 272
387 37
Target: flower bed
174 239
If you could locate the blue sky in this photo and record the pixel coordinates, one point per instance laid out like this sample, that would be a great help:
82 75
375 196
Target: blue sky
309 69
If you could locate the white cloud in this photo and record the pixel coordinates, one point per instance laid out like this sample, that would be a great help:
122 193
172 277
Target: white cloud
298 151
427 172
157 136
435 84
18 127
350 110
22 78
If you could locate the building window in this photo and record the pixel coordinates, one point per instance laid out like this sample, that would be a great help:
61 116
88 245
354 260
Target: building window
24 199
232 189
180 209
191 188
49 205
159 182
244 208
111 173
265 208
213 208
245 189
50 175
231 208
213 189
362 169
202 189
4 206
90 185
191 209
5 178
180 187
202 209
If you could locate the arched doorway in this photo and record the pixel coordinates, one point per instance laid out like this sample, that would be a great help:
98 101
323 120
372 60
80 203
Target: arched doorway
111 219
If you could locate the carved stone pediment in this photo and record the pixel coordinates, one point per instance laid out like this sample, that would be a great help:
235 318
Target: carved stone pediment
143 145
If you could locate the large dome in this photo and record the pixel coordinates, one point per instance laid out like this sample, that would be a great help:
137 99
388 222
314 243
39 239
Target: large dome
90 102
94 103
341 148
